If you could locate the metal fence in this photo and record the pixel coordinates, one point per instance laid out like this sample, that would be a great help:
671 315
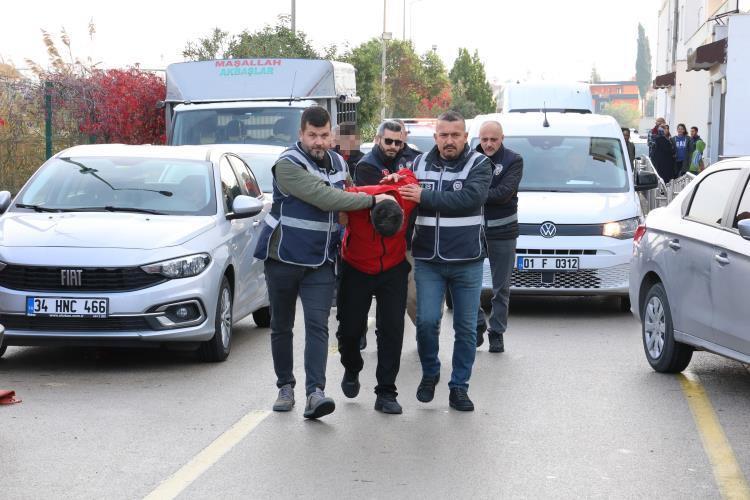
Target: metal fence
37 119
664 192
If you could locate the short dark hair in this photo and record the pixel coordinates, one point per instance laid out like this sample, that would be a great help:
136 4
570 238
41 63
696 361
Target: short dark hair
694 128
347 128
451 116
317 116
625 129
387 218
391 125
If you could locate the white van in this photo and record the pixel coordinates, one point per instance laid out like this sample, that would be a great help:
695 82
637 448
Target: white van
570 97
578 203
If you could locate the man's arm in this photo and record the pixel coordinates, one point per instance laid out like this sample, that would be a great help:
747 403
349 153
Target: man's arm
508 186
298 182
471 196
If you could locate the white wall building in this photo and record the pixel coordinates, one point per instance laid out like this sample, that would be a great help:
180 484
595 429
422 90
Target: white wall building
703 71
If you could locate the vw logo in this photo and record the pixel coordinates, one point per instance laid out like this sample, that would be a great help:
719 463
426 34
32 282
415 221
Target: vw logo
548 230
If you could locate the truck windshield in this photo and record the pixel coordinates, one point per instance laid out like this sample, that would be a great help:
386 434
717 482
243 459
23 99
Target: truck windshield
262 125
570 164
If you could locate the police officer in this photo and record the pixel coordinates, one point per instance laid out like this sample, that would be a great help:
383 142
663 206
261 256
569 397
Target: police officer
501 226
298 243
382 160
448 250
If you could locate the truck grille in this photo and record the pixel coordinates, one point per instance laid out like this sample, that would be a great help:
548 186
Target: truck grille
604 278
48 279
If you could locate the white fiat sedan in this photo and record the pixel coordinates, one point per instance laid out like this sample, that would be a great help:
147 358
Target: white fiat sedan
133 245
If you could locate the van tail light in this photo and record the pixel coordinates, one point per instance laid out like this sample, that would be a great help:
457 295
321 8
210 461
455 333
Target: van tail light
639 234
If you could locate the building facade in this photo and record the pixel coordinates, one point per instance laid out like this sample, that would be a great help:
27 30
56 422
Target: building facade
702 70
615 94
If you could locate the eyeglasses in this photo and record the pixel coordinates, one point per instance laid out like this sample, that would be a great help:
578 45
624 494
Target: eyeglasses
388 141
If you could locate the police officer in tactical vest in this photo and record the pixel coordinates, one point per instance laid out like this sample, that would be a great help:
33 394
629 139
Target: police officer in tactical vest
449 249
298 243
501 227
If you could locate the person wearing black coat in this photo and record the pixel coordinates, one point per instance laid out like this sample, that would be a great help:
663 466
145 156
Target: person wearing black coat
662 156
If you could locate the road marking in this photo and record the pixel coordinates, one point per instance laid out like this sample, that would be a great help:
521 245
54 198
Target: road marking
727 472
211 454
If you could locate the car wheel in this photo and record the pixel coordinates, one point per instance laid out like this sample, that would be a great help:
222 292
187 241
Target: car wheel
664 354
218 347
448 300
624 304
262 317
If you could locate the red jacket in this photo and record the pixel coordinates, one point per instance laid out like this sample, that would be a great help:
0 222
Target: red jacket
364 248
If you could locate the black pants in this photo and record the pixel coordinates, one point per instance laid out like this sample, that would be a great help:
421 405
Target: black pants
355 298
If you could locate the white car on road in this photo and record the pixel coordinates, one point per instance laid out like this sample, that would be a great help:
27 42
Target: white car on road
123 245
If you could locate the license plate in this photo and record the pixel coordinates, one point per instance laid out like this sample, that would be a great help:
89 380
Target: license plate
67 307
547 263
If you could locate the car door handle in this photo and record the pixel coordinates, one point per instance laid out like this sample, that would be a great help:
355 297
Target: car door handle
674 244
722 259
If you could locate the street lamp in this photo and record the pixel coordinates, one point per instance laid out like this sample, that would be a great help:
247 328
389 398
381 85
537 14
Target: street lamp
386 36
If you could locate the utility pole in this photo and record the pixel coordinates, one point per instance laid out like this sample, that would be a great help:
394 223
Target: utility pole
294 17
382 75
403 18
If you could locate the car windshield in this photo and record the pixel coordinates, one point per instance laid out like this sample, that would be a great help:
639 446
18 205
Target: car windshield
261 164
148 185
641 149
570 164
265 125
421 137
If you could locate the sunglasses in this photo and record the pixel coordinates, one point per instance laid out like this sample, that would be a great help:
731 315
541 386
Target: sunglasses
388 142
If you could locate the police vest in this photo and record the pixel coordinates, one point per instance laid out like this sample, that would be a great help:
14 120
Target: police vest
442 236
498 216
308 236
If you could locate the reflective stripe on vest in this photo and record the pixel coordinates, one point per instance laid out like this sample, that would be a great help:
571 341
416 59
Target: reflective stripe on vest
502 222
450 221
301 224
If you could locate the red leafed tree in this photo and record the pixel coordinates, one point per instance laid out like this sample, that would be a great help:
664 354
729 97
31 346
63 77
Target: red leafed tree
121 107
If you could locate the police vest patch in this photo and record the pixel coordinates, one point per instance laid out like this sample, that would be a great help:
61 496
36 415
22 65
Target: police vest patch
458 185
498 169
427 185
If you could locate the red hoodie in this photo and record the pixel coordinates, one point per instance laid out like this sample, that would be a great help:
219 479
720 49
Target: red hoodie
364 248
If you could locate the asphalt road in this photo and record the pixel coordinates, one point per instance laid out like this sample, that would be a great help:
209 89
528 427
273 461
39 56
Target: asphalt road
570 410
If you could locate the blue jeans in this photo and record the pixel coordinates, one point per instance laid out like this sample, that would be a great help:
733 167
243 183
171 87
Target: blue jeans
464 280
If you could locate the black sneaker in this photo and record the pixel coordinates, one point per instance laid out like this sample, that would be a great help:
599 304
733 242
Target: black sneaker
350 384
459 399
496 342
387 403
426 389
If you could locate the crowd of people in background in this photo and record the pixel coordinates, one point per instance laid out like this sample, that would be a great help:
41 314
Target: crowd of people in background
675 155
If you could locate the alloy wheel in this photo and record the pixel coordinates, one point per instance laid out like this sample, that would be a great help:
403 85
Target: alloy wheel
654 327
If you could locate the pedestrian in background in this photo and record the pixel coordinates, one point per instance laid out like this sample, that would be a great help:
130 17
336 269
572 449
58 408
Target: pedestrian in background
683 151
662 155
348 143
501 227
448 249
653 134
298 246
629 144
696 162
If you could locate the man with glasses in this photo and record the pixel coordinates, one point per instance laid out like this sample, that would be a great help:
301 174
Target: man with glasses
382 160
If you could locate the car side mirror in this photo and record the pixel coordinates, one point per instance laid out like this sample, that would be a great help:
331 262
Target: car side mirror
5 199
646 181
744 227
245 206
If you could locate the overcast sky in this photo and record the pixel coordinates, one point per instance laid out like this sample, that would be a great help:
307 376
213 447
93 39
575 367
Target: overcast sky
517 39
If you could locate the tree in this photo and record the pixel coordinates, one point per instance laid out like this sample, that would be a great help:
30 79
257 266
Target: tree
643 62
595 78
468 71
625 114
270 41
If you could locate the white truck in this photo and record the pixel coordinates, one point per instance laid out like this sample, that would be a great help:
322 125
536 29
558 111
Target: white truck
253 101
530 97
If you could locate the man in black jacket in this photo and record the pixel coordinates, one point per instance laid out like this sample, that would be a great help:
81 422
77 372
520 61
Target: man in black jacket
348 143
501 227
382 160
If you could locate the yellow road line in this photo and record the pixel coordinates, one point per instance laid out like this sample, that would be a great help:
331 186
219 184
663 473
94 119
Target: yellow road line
191 471
727 472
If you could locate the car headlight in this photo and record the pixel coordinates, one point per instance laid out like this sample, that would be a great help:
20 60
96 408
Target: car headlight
623 229
182 267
